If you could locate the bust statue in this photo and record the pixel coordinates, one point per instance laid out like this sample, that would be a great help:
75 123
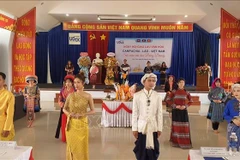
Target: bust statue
97 60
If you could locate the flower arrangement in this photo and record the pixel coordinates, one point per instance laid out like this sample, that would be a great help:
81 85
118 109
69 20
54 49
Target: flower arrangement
202 70
84 62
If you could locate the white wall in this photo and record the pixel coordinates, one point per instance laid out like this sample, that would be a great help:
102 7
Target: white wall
6 39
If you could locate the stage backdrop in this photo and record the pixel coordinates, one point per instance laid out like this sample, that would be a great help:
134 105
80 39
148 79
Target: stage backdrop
230 48
138 51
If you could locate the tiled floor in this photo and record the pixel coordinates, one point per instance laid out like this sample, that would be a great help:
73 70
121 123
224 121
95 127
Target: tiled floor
110 143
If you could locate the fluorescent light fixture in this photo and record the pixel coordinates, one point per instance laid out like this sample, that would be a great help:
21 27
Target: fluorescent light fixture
75 21
67 14
186 16
126 15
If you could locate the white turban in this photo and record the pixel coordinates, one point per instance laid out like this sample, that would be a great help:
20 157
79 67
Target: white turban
148 75
236 85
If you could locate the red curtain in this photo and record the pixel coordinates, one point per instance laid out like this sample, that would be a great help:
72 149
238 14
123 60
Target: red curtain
98 43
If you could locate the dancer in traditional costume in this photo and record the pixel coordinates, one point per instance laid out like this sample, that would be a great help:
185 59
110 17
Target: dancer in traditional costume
7 101
180 100
147 119
32 98
93 74
69 68
65 91
232 113
170 85
217 96
77 121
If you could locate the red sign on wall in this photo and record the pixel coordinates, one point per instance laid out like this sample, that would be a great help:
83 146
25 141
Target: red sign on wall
23 58
7 23
230 48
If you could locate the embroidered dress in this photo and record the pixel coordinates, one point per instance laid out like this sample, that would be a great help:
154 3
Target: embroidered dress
180 133
77 129
217 93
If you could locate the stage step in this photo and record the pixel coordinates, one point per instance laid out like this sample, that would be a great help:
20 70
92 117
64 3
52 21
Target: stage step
194 98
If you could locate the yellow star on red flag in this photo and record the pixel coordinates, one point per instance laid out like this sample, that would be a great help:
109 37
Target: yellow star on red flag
103 37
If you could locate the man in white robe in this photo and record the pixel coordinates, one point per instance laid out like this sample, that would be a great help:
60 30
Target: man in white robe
147 119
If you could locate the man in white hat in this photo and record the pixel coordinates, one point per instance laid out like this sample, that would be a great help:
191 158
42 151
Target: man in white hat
147 119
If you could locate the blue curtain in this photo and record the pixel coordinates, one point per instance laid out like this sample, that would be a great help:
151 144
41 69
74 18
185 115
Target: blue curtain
201 43
60 52
214 46
41 56
183 55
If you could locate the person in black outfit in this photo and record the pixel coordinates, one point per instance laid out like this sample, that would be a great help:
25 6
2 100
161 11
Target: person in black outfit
170 85
162 71
148 68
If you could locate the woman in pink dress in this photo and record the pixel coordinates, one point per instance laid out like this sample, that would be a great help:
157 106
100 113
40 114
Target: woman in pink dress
93 74
65 91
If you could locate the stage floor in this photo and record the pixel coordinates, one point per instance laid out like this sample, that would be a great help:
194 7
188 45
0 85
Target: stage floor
48 93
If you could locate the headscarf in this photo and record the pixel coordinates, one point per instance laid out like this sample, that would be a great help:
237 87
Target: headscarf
215 80
69 76
148 75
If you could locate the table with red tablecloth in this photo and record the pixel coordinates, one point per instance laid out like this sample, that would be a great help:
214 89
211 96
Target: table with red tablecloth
17 153
116 114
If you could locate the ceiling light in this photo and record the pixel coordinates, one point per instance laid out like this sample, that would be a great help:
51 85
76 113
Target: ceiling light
186 16
67 15
99 18
179 22
75 21
153 19
126 22
126 15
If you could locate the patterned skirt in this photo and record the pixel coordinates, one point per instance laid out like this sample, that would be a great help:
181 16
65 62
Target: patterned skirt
233 128
217 112
77 139
140 150
180 134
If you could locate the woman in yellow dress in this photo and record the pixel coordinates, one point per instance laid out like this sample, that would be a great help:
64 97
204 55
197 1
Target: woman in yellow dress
7 101
77 122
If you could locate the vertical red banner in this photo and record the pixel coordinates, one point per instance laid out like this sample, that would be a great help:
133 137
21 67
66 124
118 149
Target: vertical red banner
230 48
23 48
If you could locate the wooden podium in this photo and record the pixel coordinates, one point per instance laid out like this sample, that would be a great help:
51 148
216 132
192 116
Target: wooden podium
202 82
99 75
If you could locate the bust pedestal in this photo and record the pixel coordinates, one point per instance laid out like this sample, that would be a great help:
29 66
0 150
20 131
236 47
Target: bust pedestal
99 75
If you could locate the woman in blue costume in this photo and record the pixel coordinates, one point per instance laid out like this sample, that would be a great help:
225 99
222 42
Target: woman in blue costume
232 113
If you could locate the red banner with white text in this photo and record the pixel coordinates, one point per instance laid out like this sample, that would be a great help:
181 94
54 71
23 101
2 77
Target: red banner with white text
230 48
23 58
7 23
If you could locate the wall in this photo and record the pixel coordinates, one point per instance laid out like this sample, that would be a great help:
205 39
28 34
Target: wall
6 39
